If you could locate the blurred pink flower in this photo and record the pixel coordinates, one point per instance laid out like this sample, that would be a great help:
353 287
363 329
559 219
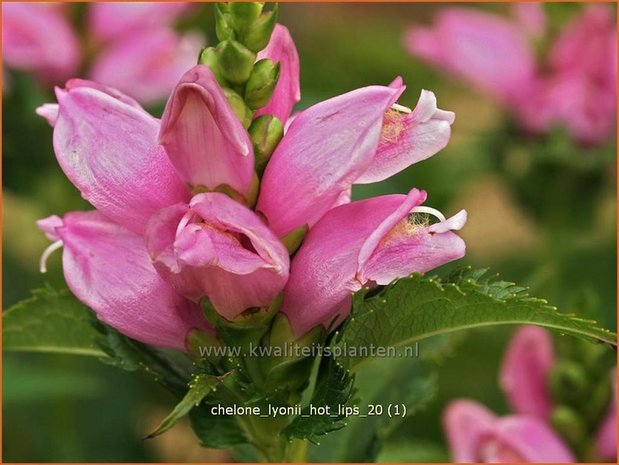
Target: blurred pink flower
574 87
475 434
137 52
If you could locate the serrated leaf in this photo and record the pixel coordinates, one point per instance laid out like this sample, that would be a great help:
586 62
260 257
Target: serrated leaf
419 307
216 431
381 382
200 387
50 321
334 387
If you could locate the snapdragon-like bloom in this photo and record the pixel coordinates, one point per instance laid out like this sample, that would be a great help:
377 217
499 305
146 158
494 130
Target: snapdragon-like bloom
136 50
475 434
573 87
180 194
372 241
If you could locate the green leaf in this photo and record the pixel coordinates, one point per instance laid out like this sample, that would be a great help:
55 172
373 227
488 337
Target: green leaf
200 387
412 451
216 431
50 321
380 382
334 387
418 307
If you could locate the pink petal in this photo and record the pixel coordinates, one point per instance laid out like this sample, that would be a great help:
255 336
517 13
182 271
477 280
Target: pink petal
110 20
287 93
531 17
606 436
409 138
148 76
108 269
49 111
521 438
218 248
49 225
40 39
465 422
524 373
203 137
108 149
483 48
406 248
326 148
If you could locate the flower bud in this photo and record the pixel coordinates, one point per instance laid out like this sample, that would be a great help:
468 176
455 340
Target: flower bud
567 382
243 15
223 26
265 131
210 57
261 84
567 423
259 35
238 106
236 61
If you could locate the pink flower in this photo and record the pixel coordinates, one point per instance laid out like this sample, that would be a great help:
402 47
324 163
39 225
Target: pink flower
109 20
218 248
489 51
37 37
136 50
524 374
287 93
606 436
475 434
372 241
354 137
213 244
107 267
574 87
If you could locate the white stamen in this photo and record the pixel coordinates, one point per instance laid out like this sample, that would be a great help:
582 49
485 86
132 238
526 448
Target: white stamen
430 210
46 253
184 221
401 108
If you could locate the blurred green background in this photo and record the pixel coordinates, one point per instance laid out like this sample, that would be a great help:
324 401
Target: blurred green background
61 408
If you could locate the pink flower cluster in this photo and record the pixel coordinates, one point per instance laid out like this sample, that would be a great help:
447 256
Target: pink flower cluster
178 219
573 86
130 45
475 434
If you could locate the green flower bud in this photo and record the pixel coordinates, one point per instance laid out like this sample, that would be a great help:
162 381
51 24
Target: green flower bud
197 340
294 238
236 61
567 423
261 84
223 26
245 14
210 57
568 382
238 106
265 131
259 35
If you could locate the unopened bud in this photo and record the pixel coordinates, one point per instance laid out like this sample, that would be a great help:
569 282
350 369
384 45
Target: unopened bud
245 14
223 26
243 113
236 61
265 131
261 84
259 35
568 382
567 423
210 57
